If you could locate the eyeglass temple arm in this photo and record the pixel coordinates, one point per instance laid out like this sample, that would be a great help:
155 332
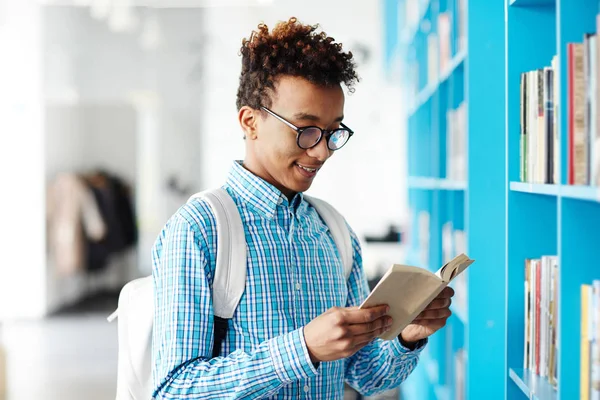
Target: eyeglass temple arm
346 128
294 127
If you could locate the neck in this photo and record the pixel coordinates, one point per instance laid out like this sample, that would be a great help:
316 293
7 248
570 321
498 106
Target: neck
252 165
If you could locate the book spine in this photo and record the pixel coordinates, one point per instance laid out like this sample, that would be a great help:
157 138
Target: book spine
549 124
541 133
527 336
596 167
595 342
538 299
584 371
571 109
580 147
523 136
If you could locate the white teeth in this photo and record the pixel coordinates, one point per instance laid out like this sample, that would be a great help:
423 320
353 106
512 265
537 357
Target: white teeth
307 169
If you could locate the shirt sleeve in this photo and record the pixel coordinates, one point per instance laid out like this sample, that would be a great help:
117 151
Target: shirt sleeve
381 365
183 331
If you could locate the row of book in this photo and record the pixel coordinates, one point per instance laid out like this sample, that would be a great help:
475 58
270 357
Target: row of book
541 317
539 126
456 143
539 133
590 341
584 111
439 42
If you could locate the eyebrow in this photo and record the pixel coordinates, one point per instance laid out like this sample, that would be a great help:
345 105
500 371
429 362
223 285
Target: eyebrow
302 116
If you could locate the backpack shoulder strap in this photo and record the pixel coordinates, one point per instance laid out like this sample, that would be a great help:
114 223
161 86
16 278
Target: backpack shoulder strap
230 270
338 228
230 265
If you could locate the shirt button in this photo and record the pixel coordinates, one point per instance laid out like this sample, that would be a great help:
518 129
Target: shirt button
306 389
298 286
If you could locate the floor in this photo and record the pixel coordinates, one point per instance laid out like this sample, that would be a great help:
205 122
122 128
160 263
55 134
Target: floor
69 356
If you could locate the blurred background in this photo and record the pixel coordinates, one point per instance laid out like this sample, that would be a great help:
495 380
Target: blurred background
114 112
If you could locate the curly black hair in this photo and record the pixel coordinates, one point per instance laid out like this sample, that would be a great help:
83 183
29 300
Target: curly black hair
294 49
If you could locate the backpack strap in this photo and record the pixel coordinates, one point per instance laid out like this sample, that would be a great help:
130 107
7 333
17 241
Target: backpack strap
338 228
230 270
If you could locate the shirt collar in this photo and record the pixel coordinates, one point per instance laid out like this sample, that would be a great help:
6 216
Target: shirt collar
260 194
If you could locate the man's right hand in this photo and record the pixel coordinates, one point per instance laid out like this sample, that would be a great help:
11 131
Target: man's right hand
341 332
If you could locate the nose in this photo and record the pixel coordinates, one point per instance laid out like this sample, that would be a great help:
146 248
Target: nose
321 152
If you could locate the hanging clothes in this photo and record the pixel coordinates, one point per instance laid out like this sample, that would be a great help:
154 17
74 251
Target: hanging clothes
114 201
73 220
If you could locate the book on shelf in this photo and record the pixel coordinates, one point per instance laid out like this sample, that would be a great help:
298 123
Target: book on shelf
583 95
461 15
590 342
407 290
423 230
541 317
412 13
433 63
538 120
456 133
460 370
444 29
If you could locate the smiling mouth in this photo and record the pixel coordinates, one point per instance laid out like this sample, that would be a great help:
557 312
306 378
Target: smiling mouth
307 169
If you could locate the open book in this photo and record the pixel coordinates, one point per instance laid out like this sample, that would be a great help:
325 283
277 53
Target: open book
408 290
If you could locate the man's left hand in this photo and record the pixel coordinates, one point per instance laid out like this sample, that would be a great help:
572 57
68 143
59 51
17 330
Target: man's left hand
432 319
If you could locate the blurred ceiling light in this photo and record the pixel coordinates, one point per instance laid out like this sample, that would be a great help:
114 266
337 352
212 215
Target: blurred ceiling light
122 17
99 9
151 37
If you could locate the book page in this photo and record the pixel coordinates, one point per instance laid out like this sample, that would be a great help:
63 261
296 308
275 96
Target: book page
407 290
454 268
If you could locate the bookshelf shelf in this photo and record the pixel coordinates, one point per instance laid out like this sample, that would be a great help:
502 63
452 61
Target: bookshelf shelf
587 193
415 182
584 193
532 385
432 87
530 3
534 188
418 182
447 184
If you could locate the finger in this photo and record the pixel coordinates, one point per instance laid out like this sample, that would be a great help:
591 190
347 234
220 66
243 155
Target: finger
357 316
430 323
447 293
435 314
364 339
439 303
373 326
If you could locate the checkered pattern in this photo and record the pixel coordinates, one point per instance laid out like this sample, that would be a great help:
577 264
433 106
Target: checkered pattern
294 274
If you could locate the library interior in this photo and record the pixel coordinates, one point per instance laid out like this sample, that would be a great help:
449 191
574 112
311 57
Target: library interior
470 161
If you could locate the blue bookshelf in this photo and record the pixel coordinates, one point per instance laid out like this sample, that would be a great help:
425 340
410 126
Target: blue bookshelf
532 386
505 221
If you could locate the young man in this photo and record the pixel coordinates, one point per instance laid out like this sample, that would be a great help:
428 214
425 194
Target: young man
297 331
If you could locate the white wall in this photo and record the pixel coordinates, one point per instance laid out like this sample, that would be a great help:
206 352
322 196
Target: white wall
22 237
365 180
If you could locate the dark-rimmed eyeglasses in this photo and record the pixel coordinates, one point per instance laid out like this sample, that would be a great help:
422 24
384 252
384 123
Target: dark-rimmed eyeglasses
309 136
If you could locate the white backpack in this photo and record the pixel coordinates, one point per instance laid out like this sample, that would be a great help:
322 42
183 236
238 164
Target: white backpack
136 300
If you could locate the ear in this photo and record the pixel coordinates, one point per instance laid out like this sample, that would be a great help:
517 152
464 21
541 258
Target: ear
248 118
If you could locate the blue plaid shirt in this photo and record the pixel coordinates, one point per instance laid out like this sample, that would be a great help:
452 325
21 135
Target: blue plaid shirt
294 274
